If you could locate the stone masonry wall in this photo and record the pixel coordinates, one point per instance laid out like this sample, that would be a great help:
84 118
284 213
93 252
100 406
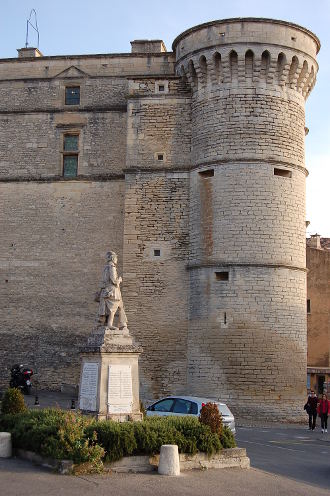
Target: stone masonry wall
156 283
158 124
247 222
318 321
54 237
48 94
36 151
247 341
246 214
249 123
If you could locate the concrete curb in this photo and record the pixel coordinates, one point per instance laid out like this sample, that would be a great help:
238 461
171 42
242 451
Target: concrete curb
227 458
63 467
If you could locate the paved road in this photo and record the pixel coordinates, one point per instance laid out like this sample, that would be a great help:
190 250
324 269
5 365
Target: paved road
51 399
292 452
20 478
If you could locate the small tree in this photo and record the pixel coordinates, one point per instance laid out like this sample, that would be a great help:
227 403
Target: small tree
13 402
211 416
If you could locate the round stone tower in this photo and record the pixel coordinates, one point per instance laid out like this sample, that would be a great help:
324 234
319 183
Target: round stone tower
247 333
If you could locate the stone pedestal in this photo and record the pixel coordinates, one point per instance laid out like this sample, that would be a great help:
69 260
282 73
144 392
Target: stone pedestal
109 379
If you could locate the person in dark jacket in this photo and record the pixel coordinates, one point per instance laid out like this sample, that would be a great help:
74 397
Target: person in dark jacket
323 411
312 410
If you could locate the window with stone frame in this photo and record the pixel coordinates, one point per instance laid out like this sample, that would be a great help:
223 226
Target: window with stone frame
72 95
70 155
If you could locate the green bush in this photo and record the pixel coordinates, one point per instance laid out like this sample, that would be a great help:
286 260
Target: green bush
146 438
227 438
116 438
55 433
13 402
67 435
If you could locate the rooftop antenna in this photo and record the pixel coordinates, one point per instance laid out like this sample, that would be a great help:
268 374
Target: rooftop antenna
34 26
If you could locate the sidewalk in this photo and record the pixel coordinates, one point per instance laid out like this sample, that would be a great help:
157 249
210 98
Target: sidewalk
52 399
20 478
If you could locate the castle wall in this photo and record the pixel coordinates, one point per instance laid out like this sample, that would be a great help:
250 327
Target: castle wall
250 124
36 151
156 244
247 204
158 124
53 238
246 214
47 94
191 167
246 338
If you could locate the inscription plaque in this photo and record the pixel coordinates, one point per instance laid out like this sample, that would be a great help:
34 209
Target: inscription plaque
88 388
120 396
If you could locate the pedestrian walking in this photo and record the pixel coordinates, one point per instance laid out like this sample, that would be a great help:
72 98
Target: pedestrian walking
311 409
323 410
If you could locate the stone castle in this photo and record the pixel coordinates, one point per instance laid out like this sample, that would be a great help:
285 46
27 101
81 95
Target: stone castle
190 165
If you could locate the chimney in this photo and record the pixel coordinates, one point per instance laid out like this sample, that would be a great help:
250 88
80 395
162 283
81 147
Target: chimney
148 46
30 53
315 241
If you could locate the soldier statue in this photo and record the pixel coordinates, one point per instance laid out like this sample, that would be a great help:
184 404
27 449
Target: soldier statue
109 295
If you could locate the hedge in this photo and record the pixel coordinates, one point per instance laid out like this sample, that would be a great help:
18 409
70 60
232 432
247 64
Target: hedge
67 435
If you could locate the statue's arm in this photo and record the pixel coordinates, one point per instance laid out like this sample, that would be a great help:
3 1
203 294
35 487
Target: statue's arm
113 276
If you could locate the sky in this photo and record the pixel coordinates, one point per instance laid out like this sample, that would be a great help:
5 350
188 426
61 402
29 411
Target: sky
108 26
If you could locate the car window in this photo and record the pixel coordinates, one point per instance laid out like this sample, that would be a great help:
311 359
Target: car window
164 405
223 409
182 406
193 408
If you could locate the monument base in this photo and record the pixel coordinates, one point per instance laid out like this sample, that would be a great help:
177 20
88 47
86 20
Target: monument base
109 380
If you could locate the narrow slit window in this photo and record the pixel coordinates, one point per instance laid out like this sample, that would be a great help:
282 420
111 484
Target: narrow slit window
308 306
282 172
206 173
222 276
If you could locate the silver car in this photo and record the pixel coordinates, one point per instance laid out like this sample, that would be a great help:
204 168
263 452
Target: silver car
189 405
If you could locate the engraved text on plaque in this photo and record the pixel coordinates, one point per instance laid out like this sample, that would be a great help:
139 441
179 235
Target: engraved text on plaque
88 391
120 396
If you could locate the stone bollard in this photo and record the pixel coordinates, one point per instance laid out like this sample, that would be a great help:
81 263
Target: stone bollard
5 445
169 463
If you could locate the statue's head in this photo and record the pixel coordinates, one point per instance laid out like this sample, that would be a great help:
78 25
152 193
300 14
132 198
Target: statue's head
111 256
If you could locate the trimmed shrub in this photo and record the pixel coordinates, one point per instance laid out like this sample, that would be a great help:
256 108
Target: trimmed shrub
227 438
146 438
116 438
13 402
210 415
55 433
67 435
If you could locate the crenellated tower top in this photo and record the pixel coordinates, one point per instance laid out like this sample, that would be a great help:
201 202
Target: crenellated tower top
248 52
